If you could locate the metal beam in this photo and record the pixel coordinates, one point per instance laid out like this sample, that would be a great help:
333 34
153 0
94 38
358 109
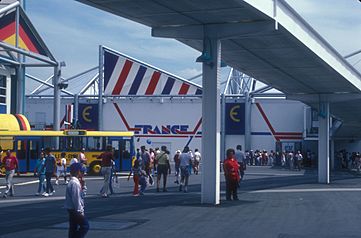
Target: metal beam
41 85
47 84
28 53
9 7
9 61
332 97
87 86
261 90
80 74
214 31
352 54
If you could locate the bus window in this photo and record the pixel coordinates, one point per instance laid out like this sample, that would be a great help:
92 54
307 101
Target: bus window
94 143
6 143
47 142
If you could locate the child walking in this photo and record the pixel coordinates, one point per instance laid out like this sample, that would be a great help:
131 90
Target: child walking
136 175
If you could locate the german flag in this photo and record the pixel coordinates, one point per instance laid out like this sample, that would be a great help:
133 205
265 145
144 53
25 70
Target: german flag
28 37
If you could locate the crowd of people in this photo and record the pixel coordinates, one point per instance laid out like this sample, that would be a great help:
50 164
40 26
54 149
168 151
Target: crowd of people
151 162
286 159
347 160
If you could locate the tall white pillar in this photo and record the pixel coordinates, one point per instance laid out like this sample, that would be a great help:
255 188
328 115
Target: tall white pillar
100 88
56 119
324 143
248 122
20 90
211 125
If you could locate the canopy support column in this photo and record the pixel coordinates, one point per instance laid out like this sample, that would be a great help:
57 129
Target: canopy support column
211 123
56 81
248 122
100 88
324 143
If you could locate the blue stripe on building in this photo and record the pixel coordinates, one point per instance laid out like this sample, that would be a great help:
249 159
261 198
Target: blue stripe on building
137 81
199 92
110 60
168 86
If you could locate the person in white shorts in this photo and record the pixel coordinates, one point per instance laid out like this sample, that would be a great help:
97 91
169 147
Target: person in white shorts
61 168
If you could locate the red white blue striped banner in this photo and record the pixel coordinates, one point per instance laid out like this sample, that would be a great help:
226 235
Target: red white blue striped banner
124 76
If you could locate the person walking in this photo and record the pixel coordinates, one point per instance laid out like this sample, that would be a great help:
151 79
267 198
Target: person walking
39 171
11 164
113 178
135 171
152 157
163 167
177 165
290 160
106 170
231 173
185 164
49 171
74 203
145 156
83 161
299 159
241 160
61 168
197 160
143 181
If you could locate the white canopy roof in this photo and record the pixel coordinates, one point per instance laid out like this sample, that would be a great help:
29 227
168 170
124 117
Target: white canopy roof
265 39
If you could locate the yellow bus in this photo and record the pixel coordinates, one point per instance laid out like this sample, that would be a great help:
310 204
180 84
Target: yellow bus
28 145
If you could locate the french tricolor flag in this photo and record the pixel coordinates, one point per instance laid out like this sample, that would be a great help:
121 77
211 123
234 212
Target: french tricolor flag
125 76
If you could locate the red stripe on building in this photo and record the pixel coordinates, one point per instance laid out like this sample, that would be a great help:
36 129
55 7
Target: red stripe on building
153 83
165 136
122 77
24 36
184 89
69 115
266 120
289 137
191 132
7 31
62 121
124 120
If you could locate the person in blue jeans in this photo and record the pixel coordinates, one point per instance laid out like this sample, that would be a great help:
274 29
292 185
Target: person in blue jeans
74 203
40 172
50 168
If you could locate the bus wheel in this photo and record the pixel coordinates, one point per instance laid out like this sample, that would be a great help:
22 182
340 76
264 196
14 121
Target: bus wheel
95 168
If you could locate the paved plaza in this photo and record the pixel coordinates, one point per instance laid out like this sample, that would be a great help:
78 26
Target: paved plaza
273 203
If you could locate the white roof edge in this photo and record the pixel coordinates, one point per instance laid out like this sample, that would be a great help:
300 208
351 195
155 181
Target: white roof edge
150 66
288 18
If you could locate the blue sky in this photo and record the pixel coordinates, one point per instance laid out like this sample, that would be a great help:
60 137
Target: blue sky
73 32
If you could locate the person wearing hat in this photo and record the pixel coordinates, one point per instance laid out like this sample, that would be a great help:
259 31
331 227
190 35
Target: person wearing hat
74 202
